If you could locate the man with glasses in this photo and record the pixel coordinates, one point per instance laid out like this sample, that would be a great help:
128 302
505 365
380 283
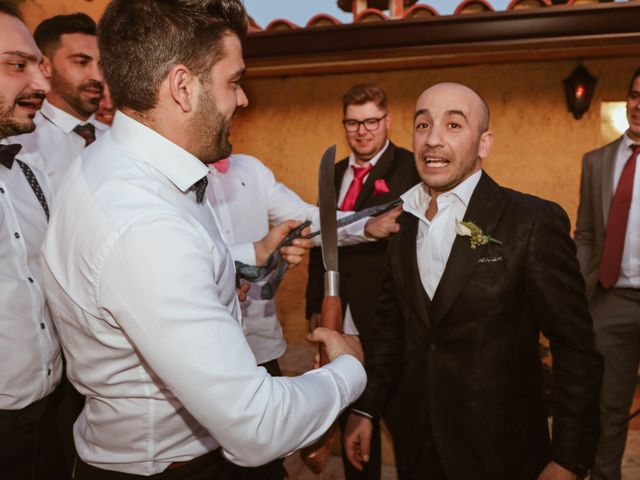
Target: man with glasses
375 172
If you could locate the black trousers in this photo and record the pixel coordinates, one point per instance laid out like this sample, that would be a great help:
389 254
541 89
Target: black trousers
271 471
208 467
30 443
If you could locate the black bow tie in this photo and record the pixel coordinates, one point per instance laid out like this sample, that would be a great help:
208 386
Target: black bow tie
8 153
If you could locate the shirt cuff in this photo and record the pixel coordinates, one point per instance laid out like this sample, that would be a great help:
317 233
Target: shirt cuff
243 252
350 377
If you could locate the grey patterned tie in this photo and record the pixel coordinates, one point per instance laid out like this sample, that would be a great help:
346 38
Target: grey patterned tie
35 186
86 131
199 187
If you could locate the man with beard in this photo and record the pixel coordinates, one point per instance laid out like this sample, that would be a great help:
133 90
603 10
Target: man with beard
141 283
475 274
31 358
608 241
71 62
376 172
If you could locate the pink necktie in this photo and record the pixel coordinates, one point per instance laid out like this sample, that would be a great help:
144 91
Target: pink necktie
617 224
356 186
222 165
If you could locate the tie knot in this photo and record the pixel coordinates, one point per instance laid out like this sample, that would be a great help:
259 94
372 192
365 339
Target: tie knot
635 148
87 131
8 153
361 172
199 187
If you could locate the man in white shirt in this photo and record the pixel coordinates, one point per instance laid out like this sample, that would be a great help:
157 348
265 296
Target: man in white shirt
476 273
608 241
31 359
66 123
247 198
140 280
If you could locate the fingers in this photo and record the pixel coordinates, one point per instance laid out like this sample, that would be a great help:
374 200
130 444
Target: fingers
242 290
352 449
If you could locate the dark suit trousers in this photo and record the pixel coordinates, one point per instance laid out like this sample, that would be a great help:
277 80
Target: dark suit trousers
616 321
30 445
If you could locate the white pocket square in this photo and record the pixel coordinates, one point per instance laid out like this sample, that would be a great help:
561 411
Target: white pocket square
489 259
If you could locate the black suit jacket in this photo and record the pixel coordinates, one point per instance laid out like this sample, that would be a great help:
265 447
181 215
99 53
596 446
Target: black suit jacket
472 378
362 266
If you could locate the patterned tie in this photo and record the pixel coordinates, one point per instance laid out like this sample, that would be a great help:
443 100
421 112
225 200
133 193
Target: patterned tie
356 186
199 187
8 153
617 224
35 186
86 131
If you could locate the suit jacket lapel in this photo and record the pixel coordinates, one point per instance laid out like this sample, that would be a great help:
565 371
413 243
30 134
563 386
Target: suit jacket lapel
485 209
608 165
410 274
381 169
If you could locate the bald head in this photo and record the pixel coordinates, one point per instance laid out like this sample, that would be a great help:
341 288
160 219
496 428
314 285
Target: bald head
477 106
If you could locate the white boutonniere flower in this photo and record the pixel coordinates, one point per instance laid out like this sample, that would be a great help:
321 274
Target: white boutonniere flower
475 234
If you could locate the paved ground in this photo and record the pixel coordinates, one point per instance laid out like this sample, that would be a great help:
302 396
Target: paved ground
299 359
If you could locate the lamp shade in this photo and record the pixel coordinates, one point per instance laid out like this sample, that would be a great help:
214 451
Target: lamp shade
579 88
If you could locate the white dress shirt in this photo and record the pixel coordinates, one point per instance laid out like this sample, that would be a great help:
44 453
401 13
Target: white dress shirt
141 286
349 325
630 265
31 363
53 144
247 199
435 238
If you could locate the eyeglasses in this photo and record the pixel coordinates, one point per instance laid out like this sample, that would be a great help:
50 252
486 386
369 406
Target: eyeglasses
369 124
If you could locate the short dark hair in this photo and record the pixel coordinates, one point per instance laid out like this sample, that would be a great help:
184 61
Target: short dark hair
141 41
364 93
47 34
9 9
635 75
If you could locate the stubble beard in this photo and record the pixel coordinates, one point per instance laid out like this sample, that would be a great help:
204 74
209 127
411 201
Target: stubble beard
210 128
72 95
10 127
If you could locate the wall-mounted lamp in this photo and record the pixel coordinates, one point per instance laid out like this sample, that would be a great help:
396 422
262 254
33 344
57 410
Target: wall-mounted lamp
579 87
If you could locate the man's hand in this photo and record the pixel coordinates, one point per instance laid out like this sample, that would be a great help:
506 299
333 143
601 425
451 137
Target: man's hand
357 440
383 225
337 344
292 254
553 471
241 291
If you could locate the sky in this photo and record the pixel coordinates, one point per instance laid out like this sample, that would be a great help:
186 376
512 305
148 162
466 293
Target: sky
301 11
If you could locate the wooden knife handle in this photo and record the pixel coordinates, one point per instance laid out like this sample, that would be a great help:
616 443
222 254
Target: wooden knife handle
331 317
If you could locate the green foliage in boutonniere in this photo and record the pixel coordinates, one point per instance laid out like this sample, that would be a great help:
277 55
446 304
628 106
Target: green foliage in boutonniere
475 234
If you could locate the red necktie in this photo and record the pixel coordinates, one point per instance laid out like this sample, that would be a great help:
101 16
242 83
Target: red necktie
617 224
354 189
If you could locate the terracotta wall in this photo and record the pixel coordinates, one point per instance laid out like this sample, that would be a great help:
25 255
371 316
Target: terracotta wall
538 144
34 11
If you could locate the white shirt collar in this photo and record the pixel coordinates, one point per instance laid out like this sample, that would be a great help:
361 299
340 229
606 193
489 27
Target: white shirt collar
627 141
416 199
62 119
179 166
373 161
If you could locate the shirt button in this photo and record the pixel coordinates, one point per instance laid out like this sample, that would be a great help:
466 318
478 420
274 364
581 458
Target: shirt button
42 326
48 372
30 280
1 190
432 347
17 235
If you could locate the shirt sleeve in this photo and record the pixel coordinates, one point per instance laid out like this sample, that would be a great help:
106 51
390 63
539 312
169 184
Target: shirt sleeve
159 284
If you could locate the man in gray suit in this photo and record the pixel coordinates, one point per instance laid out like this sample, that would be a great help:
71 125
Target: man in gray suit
608 241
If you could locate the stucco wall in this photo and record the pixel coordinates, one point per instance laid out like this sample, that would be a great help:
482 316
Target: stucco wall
538 144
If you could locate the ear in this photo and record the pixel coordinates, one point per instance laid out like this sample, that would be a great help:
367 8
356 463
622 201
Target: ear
486 142
46 67
387 120
183 87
